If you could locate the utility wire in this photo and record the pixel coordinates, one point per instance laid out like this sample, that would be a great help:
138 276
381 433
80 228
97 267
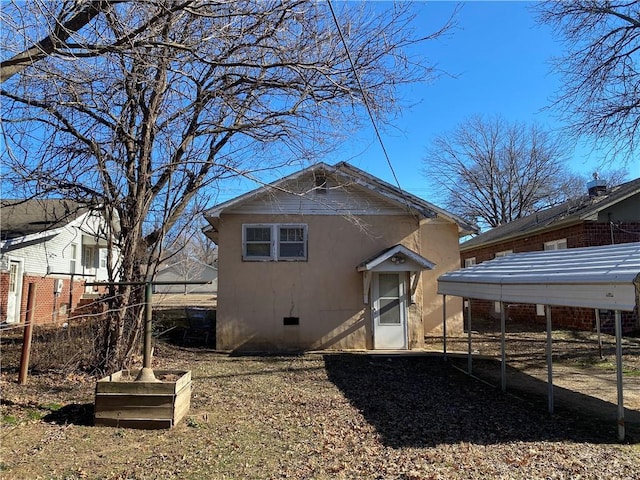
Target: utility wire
366 103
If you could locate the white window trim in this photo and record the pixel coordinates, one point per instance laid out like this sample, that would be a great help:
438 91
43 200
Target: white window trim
274 243
469 262
503 253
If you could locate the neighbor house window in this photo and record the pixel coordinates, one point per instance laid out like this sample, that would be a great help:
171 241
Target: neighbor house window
504 253
274 242
90 257
469 262
73 255
103 258
556 244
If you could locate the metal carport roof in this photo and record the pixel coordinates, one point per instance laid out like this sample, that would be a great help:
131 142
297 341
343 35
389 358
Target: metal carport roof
606 277
594 277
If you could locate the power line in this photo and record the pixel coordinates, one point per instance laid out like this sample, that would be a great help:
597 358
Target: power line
366 103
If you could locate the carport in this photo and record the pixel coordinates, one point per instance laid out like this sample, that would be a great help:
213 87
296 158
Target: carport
606 278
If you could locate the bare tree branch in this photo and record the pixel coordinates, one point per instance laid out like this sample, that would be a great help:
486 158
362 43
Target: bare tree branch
145 107
600 96
494 172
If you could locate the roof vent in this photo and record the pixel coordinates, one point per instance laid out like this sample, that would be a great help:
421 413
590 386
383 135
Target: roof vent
597 186
321 181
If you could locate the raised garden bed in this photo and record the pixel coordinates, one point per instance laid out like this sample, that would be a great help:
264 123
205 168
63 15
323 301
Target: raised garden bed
120 401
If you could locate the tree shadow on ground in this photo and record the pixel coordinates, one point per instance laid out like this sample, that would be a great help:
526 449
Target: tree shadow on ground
424 401
72 414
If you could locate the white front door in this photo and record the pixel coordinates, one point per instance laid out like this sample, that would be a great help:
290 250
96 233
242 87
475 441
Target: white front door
15 292
389 311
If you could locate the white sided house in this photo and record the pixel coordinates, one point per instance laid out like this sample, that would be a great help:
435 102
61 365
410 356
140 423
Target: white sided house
331 257
56 244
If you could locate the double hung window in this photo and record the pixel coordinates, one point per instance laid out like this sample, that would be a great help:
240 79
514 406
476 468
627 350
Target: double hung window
274 242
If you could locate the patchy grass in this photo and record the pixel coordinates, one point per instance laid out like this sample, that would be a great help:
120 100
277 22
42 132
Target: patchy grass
310 417
10 420
605 365
339 416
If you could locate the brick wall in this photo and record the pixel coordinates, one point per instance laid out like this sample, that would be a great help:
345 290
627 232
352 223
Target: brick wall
596 234
4 291
587 234
49 308
561 317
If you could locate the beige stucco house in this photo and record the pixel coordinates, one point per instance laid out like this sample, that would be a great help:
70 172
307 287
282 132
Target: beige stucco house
331 257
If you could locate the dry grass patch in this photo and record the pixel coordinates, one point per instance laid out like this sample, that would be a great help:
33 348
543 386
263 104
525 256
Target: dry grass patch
312 416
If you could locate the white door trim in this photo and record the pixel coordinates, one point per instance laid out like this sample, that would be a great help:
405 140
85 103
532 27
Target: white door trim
14 290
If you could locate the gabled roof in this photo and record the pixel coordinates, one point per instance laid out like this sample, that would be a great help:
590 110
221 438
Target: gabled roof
350 175
191 262
19 218
593 277
398 255
572 211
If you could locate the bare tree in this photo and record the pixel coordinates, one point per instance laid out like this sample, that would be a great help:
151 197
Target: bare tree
493 172
600 95
189 255
147 106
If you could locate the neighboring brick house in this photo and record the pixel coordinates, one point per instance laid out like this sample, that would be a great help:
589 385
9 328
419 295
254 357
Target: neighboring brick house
603 216
56 244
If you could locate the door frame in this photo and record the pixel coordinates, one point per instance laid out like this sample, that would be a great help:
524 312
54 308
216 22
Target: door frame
404 307
17 297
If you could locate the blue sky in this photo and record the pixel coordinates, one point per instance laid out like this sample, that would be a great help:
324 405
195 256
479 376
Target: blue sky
498 57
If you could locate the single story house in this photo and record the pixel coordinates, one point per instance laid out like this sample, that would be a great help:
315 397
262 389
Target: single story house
331 257
56 244
603 216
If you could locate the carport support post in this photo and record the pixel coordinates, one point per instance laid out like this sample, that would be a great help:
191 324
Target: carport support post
597 310
503 359
547 310
469 359
444 326
621 431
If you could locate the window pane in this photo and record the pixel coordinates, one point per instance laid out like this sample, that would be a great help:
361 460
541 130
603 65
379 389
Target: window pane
13 277
292 243
389 311
258 234
291 234
291 250
258 250
389 285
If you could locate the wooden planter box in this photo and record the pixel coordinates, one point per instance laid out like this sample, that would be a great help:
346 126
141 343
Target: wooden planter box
122 402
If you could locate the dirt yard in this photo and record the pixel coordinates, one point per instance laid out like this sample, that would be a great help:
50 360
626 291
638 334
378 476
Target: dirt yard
344 416
583 379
